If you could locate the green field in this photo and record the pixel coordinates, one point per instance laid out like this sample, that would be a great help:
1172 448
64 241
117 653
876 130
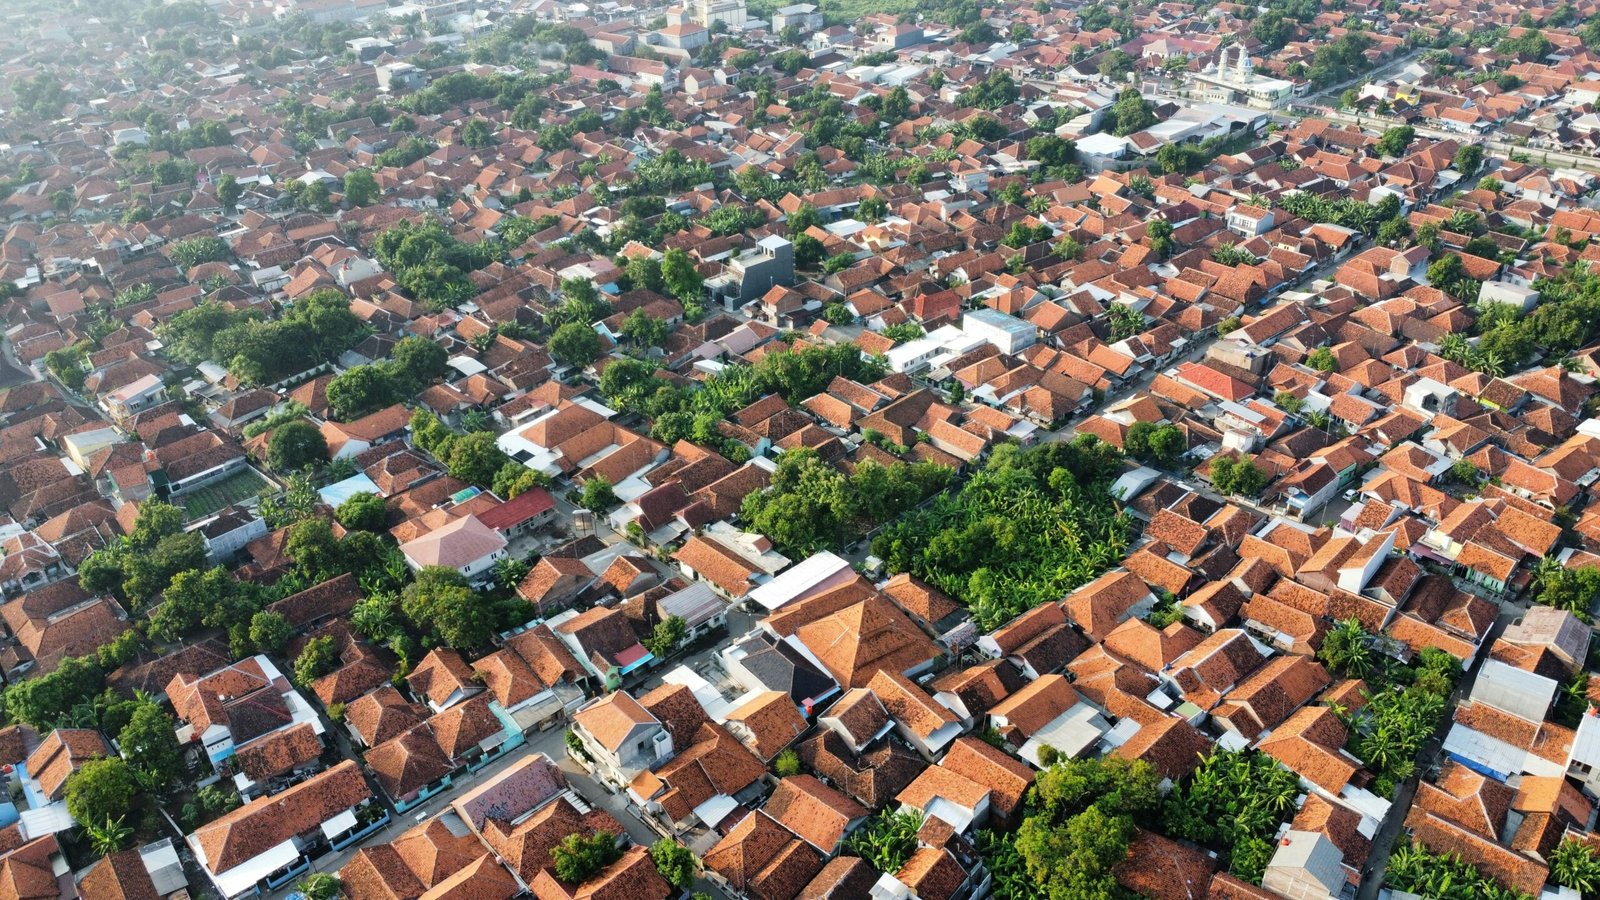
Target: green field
203 501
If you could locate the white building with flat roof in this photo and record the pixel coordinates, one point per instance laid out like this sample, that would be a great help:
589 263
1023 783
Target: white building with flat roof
1008 333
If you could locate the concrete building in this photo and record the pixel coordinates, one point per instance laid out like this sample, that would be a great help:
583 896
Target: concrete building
769 264
1240 83
804 16
1008 333
1306 866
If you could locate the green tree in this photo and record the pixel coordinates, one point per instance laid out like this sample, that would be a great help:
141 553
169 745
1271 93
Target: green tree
575 344
1162 443
674 862
665 638
1323 360
360 187
1237 475
1160 234
320 657
148 574
1574 864
314 549
786 763
363 511
67 364
362 390
887 840
194 251
46 700
150 746
229 190
1124 320
419 360
1468 158
683 280
1394 141
644 272
476 133
645 330
1131 113
513 478
101 790
270 631
295 445
320 886
443 606
109 836
1573 590
577 857
475 458
123 649
597 494
1347 648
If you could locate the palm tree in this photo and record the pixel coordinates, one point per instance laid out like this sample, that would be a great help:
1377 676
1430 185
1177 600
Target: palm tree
108 838
1406 865
1347 648
1573 864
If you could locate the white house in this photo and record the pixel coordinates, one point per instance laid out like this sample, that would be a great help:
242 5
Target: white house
466 545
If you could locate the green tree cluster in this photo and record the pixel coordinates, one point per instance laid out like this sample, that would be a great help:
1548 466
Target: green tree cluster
1237 475
360 390
295 445
1158 443
1234 803
141 565
887 840
1027 528
1390 729
674 862
812 505
430 263
1572 590
196 250
1081 819
363 511
1414 869
578 857
316 328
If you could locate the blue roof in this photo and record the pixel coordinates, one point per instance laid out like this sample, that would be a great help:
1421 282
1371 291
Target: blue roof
340 491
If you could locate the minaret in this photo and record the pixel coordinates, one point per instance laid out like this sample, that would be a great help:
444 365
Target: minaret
1244 65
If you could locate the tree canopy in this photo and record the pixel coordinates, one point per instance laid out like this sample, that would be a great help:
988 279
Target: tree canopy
1026 529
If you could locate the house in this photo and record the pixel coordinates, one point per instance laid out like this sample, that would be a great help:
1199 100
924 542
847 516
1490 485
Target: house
347 439
466 545
819 815
225 710
621 737
761 662
555 582
766 723
442 679
271 841
710 778
762 860
603 638
919 719
523 514
62 752
1305 864
871 636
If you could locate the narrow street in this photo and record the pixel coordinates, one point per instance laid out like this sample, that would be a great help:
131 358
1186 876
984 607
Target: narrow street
1383 841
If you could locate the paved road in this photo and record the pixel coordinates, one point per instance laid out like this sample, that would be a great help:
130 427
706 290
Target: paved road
1489 143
